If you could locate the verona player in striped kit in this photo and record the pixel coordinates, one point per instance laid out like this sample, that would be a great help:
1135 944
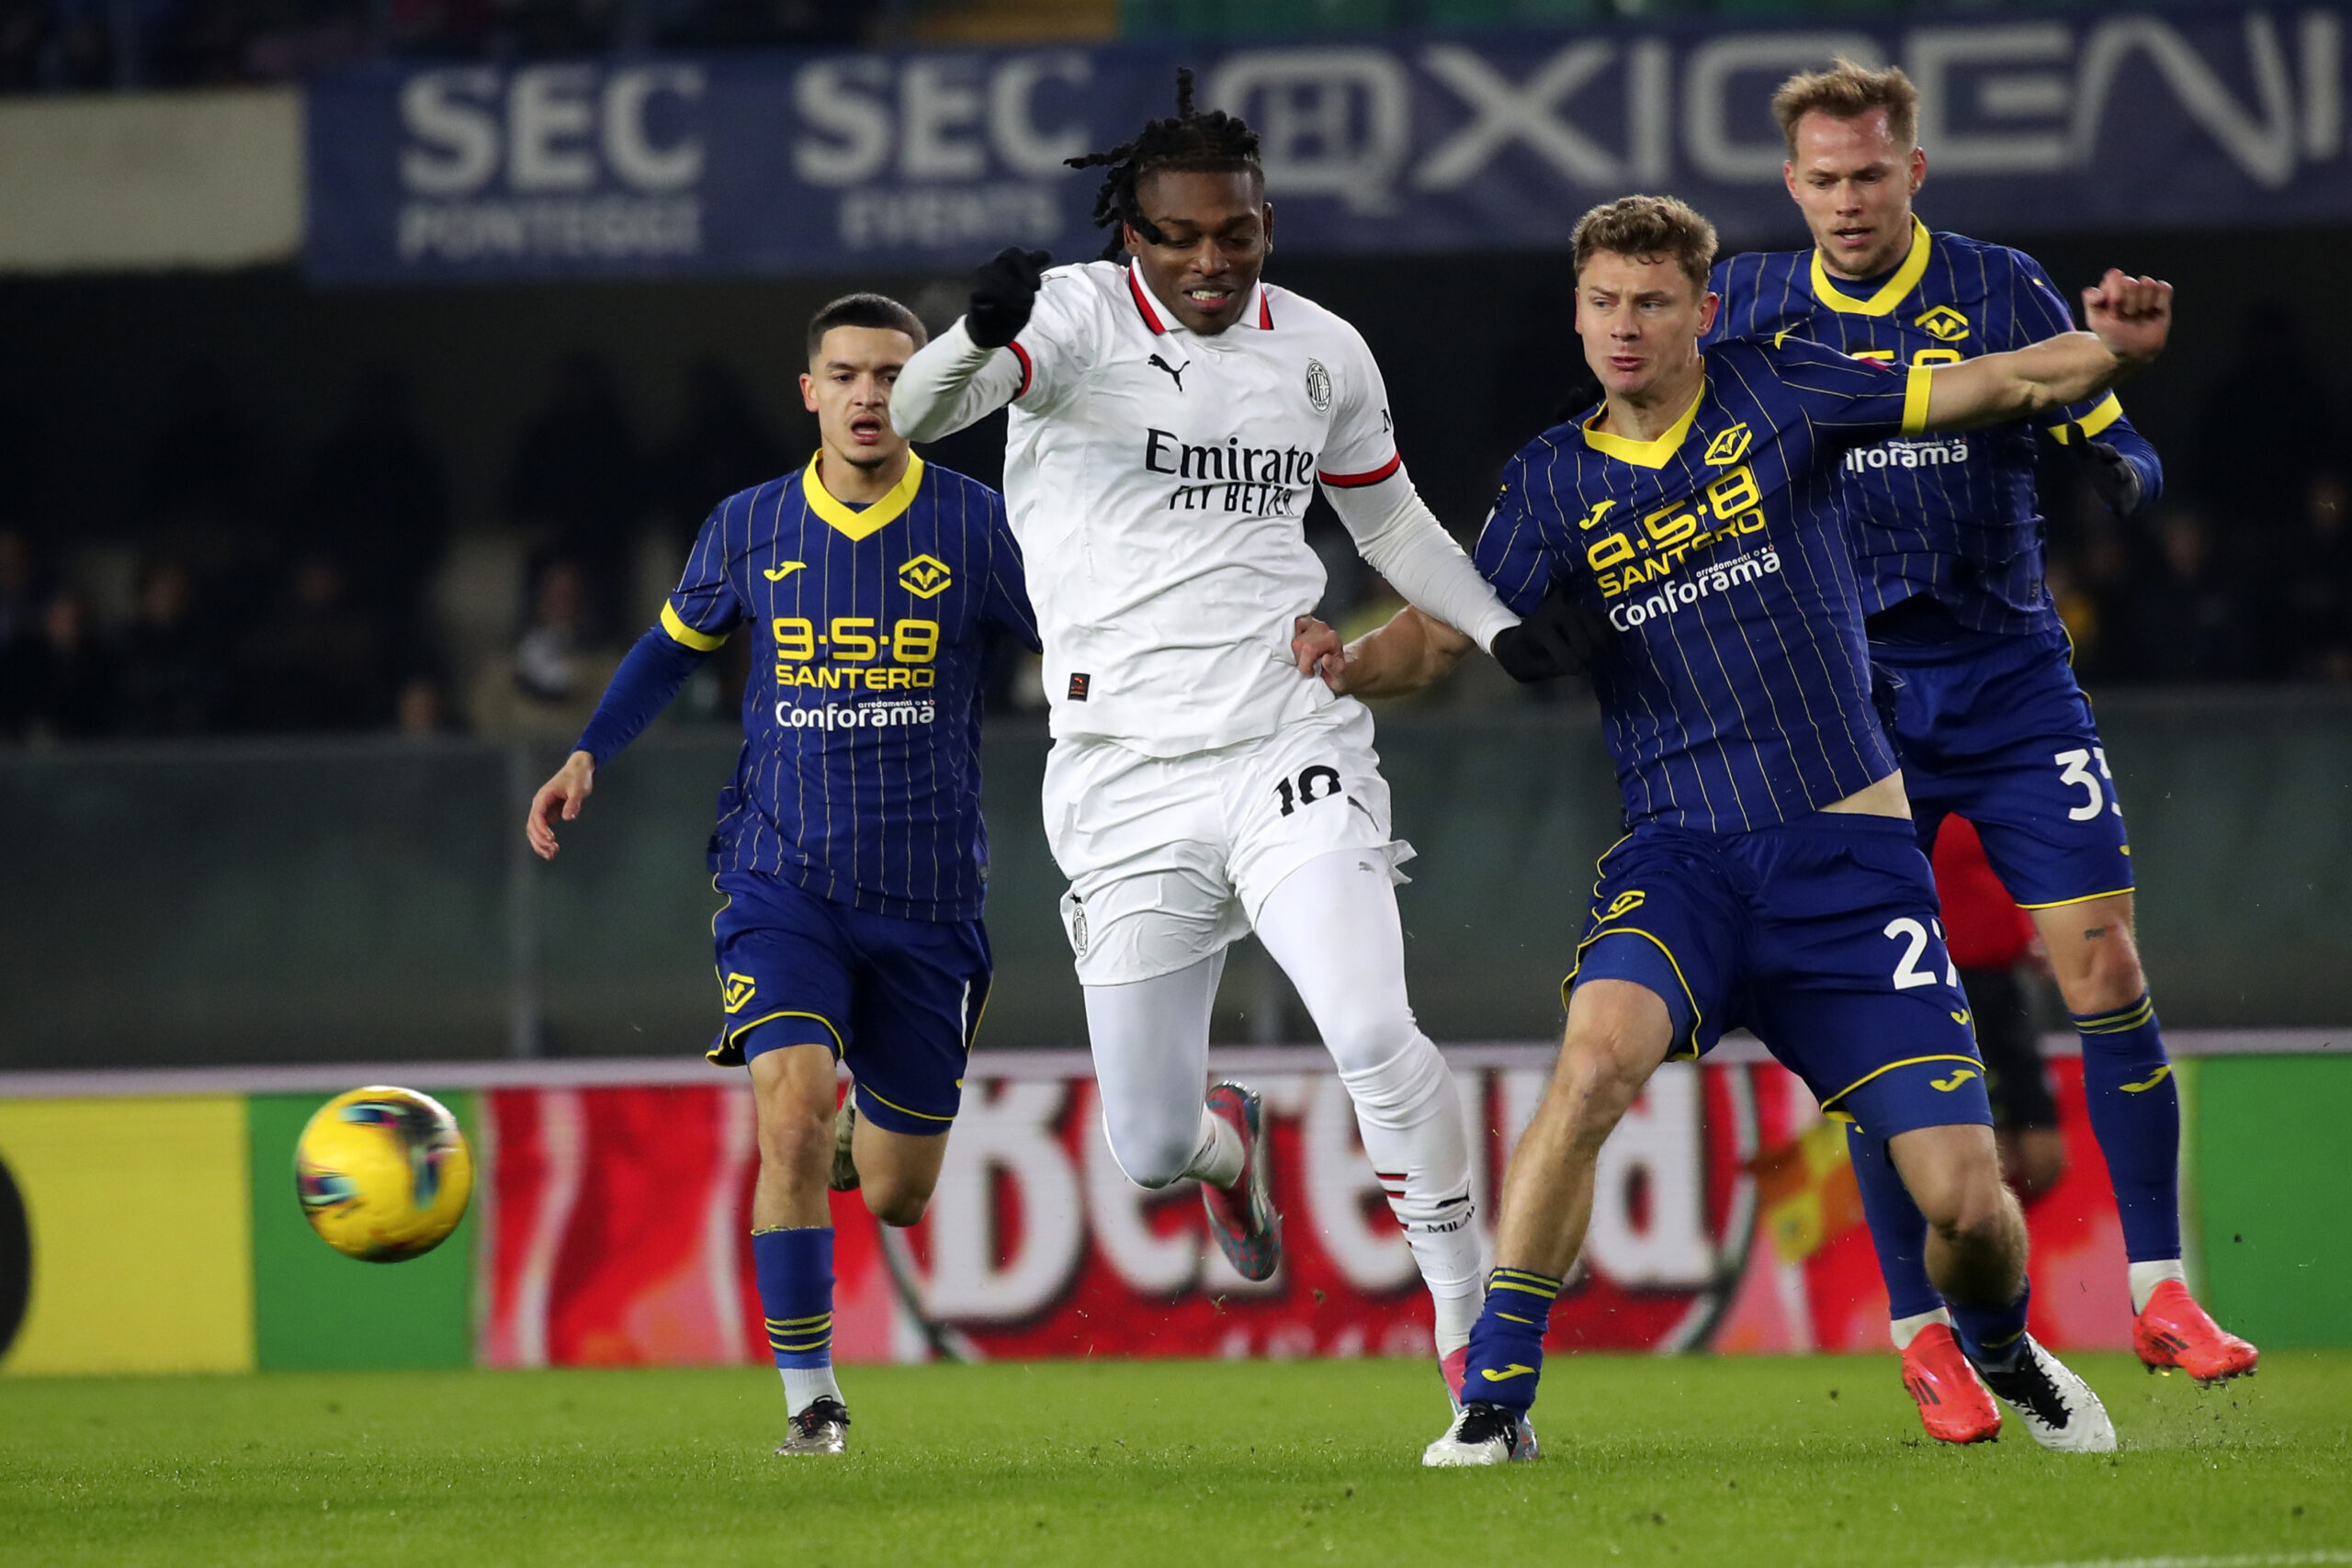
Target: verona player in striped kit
1988 722
850 847
1769 875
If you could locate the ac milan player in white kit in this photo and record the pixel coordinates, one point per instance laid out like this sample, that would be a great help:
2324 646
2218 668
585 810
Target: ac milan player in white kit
1171 417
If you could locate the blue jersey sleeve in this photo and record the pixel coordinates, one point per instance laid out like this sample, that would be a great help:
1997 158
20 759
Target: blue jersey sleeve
641 689
704 607
1856 400
1514 550
1007 603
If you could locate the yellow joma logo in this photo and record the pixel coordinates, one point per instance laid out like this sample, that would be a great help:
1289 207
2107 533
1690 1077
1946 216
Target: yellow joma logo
1953 1082
1624 903
735 990
1962 1017
1943 323
1730 446
2153 1079
783 570
925 577
1598 514
1515 1370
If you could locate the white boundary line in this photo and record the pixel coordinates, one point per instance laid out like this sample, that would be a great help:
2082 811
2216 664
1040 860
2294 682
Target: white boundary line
594 1072
2253 1559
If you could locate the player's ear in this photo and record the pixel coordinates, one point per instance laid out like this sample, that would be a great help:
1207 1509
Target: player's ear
1707 309
1266 222
807 392
1919 169
1789 177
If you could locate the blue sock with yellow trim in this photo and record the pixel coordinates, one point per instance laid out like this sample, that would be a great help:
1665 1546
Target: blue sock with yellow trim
1898 1230
793 1266
1993 1338
1507 1343
2135 1114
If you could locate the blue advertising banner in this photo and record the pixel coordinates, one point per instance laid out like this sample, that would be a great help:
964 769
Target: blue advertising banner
1388 143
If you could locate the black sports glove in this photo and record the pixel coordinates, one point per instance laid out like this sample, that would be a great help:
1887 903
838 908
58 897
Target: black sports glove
2113 478
1003 292
1563 637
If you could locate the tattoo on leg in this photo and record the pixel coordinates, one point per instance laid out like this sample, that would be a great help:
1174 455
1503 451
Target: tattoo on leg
2094 934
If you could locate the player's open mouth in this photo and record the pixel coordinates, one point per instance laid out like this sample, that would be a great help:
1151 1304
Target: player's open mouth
1855 237
867 429
1210 299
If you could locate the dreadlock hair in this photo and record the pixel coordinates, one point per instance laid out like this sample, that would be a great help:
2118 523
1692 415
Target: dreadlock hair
1189 141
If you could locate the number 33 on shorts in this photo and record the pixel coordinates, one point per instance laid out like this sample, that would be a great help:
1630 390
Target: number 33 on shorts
2075 770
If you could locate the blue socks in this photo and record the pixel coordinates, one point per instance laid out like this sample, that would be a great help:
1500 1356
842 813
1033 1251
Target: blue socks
1506 1344
795 1269
2135 1112
1898 1231
1993 1338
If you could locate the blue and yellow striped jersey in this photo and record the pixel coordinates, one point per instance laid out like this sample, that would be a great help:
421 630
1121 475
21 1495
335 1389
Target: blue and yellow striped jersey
1951 515
860 775
1736 693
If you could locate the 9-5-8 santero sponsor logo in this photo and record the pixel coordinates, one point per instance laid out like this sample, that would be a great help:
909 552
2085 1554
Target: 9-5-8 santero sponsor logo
857 716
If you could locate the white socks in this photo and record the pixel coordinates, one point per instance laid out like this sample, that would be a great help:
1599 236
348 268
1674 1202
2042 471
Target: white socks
1217 1158
1903 1330
802 1386
2146 1277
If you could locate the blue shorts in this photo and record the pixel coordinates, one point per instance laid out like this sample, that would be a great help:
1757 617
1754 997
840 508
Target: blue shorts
1822 936
1994 728
896 999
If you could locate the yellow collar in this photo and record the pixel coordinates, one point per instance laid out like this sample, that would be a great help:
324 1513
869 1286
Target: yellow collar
1906 278
858 524
1648 454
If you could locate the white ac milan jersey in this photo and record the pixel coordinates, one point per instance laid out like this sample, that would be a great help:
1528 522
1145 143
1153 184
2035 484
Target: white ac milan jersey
1158 481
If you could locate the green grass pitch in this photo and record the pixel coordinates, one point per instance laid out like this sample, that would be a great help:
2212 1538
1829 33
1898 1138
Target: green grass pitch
1688 1461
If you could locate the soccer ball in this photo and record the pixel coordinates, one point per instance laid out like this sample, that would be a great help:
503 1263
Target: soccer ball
383 1173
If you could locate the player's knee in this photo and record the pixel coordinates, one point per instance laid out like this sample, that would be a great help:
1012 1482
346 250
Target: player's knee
896 1201
1404 1081
795 1140
1155 1151
1964 1200
1595 1083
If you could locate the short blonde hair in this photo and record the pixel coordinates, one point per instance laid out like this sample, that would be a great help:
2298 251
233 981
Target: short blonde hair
1648 228
1848 91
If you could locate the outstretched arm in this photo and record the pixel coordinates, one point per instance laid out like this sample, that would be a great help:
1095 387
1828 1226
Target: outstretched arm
1413 651
641 689
967 373
2130 319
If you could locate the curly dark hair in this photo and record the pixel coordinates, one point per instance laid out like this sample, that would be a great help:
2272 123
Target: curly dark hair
1189 141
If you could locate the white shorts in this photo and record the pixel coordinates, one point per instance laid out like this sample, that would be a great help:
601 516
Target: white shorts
1169 859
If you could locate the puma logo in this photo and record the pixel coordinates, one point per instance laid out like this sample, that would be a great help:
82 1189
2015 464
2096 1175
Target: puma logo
1175 372
779 572
1515 1370
2153 1080
1953 1082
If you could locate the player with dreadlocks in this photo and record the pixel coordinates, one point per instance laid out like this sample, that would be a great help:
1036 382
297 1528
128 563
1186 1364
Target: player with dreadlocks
1171 417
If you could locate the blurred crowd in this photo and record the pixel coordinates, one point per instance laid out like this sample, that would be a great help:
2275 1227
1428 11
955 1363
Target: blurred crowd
79 45
258 593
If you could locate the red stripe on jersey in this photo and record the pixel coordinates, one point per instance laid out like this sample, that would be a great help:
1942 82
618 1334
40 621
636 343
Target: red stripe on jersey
1357 481
1151 317
1265 313
1026 369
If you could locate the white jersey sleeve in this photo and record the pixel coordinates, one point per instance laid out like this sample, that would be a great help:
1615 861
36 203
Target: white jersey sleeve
1361 448
953 382
1397 532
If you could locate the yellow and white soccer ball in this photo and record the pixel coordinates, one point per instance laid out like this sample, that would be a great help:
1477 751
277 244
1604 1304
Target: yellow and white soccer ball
383 1173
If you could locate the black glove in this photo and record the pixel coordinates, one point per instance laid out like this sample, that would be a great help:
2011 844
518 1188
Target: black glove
1563 637
1003 292
2113 478
2110 474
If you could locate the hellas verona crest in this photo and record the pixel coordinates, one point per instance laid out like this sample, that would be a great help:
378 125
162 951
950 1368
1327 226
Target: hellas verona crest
1318 386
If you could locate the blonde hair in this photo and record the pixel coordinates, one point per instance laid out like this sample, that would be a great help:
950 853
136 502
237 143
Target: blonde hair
1848 91
1648 228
